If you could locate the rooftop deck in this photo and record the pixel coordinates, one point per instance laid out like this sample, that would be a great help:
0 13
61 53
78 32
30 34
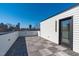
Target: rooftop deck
18 48
37 46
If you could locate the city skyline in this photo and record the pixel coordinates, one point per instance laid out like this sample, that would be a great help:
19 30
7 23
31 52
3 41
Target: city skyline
30 13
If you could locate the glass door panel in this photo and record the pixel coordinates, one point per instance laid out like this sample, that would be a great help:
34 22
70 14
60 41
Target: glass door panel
65 25
66 32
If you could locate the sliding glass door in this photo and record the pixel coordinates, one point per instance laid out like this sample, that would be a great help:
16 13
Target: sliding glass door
66 32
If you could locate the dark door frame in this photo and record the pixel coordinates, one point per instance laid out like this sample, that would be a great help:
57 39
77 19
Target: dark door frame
67 18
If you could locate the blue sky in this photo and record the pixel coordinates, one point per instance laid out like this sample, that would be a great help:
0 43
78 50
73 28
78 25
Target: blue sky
30 13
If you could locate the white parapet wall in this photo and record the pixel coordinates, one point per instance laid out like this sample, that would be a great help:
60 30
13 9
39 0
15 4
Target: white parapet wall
39 33
23 33
6 41
28 33
47 27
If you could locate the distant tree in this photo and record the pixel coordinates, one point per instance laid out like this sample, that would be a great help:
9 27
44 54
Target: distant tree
30 27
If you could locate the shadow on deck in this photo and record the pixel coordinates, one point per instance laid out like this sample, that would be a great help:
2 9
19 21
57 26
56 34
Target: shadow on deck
18 48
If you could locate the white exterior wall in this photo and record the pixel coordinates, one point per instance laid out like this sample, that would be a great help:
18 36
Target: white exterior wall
47 27
5 43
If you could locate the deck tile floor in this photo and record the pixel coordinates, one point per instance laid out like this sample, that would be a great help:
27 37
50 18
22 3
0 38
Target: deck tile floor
37 46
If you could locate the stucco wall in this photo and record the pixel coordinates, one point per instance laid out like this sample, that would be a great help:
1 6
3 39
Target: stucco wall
28 33
39 33
47 27
22 33
6 41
